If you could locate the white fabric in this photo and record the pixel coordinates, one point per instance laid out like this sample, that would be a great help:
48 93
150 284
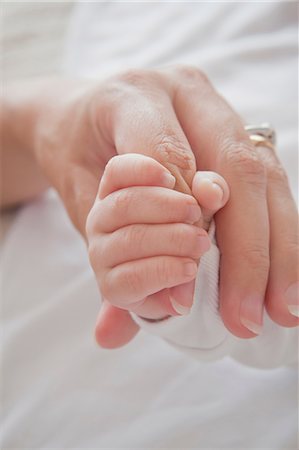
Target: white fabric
58 389
202 334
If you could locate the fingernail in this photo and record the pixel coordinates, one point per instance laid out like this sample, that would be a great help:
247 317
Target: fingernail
190 269
292 299
194 213
220 193
168 179
181 297
203 244
215 186
180 309
251 326
251 313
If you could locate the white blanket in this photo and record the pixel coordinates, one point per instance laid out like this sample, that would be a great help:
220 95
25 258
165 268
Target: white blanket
59 390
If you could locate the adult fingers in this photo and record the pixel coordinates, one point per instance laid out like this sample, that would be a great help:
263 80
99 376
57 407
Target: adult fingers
282 297
220 143
143 121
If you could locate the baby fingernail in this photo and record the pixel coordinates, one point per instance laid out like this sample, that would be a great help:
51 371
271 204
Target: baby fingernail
168 179
194 213
190 269
292 299
181 297
204 244
180 309
251 313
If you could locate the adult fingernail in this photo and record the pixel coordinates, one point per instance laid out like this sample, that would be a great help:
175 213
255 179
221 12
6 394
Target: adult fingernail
292 299
194 213
251 313
181 297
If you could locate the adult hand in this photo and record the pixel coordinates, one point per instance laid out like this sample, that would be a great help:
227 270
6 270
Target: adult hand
176 117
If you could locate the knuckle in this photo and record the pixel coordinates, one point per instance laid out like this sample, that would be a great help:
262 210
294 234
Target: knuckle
257 257
277 174
182 238
241 158
94 223
163 270
105 288
134 235
175 207
169 148
111 166
94 255
123 88
137 78
121 201
177 240
90 222
193 242
146 166
192 74
131 279
132 76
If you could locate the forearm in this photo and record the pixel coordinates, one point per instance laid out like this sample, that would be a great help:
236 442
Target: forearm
25 109
21 179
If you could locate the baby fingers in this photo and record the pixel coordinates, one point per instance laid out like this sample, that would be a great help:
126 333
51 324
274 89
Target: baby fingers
142 241
132 281
212 193
141 204
133 169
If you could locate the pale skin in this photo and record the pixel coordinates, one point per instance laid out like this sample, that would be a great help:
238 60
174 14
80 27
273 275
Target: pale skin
64 132
144 238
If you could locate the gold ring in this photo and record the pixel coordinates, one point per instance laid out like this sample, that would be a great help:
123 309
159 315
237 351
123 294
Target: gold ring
263 135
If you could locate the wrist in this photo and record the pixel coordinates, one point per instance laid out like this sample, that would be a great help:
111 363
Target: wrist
19 117
62 141
29 115
31 106
21 178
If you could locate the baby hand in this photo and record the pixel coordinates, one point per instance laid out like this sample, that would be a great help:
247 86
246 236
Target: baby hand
143 241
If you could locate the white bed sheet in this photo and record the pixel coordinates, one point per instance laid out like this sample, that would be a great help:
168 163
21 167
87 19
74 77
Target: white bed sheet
58 389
